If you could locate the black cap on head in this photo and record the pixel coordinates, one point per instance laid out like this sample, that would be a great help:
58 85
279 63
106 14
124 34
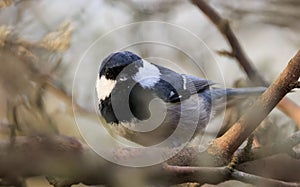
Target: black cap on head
115 63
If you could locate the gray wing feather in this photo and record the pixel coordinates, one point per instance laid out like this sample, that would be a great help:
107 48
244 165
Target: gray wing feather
196 84
174 87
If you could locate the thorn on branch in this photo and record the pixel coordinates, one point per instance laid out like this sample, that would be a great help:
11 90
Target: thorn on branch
226 53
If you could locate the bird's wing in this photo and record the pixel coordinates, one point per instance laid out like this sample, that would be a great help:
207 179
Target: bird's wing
196 84
174 87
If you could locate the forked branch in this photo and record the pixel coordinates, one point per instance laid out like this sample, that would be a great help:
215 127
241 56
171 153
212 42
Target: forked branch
227 144
286 105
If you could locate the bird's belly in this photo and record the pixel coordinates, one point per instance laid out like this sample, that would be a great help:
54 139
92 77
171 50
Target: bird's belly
181 122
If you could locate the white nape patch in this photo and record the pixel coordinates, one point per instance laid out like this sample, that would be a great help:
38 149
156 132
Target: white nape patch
148 75
104 87
184 82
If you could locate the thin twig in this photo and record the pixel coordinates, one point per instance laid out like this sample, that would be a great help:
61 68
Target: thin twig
226 53
286 105
260 181
237 51
221 174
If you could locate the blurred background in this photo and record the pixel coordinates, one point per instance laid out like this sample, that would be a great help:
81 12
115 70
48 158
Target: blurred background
51 51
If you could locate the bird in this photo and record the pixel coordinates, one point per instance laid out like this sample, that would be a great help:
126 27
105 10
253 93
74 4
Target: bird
153 105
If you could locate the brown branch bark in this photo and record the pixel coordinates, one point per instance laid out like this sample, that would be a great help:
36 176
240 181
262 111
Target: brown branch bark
286 105
260 181
227 144
295 84
221 174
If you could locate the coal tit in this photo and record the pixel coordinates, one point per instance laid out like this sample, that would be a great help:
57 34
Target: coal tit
146 103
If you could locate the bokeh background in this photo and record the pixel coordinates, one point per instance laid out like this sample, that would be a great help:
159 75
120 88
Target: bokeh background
267 29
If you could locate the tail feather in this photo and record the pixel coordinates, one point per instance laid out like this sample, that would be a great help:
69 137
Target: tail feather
231 92
245 91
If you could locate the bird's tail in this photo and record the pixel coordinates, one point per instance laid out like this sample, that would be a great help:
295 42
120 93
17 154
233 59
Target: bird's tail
232 92
245 91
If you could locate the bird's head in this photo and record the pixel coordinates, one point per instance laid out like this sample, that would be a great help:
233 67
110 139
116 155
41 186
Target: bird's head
115 63
125 66
116 67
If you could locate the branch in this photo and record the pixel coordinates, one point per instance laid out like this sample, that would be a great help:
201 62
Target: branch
216 175
260 181
227 144
285 146
237 51
286 105
69 162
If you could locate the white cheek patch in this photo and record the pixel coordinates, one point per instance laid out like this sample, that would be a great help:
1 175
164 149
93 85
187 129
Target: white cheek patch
148 75
104 87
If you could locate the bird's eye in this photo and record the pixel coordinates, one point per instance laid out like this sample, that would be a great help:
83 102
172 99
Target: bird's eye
106 72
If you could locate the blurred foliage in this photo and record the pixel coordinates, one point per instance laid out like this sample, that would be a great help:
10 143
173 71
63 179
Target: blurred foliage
42 42
275 12
5 3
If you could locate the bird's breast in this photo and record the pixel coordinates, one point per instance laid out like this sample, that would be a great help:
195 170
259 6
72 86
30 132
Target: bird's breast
177 122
